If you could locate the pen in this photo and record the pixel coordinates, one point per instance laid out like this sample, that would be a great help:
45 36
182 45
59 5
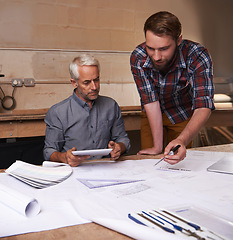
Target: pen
149 220
135 219
170 153
165 220
157 223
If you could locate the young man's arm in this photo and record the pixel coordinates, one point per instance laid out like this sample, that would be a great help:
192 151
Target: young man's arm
154 116
197 121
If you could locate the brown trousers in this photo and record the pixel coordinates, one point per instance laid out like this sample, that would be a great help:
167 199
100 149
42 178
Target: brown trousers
170 131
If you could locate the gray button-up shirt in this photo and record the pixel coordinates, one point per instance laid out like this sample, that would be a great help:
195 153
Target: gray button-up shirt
71 123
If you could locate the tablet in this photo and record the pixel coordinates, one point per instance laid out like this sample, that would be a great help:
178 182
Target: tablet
94 152
225 165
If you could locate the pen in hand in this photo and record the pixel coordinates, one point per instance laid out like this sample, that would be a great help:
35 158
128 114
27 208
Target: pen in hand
173 150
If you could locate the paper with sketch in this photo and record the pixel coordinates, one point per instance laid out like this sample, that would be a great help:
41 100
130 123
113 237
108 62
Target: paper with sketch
110 205
160 189
19 202
98 183
37 176
195 161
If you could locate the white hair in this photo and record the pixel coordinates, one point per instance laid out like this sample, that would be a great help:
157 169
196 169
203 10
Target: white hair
82 60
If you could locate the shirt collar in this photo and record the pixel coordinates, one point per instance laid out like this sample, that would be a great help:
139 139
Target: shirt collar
181 62
148 63
82 103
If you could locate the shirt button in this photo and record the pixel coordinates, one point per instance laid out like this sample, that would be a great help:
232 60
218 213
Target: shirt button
93 141
91 126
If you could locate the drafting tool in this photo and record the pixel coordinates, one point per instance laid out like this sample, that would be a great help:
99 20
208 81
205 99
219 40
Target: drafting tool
165 220
208 233
196 227
158 223
135 219
170 153
179 228
97 183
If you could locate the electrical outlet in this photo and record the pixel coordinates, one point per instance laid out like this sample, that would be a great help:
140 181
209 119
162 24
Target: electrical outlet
29 82
17 82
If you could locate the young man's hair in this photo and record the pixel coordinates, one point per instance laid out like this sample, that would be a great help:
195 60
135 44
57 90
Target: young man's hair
163 23
82 60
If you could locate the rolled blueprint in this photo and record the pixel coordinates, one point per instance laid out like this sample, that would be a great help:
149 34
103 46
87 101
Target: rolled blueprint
19 202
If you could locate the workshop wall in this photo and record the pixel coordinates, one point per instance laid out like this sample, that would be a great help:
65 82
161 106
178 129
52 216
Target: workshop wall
39 38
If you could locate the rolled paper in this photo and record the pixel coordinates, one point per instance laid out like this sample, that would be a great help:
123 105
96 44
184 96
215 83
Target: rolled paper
19 202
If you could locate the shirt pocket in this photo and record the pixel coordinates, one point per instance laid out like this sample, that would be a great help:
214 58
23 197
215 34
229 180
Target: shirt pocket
105 128
182 89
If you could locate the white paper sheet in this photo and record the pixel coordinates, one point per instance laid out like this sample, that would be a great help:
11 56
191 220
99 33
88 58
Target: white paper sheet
56 209
134 230
160 189
63 204
19 202
37 176
196 161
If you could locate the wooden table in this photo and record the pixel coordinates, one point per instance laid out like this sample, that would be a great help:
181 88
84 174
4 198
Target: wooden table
92 231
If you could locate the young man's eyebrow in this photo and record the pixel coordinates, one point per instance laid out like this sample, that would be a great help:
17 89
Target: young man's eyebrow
161 48
150 47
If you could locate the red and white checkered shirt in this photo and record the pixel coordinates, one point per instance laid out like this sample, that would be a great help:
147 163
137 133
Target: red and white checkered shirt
188 84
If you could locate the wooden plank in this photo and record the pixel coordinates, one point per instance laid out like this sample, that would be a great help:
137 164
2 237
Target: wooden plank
130 108
28 123
220 117
27 114
17 129
31 128
132 122
8 118
30 111
8 129
87 231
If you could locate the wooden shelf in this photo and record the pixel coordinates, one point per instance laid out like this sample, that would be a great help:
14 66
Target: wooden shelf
30 122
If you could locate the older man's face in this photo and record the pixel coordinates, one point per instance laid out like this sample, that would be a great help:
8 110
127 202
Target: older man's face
88 86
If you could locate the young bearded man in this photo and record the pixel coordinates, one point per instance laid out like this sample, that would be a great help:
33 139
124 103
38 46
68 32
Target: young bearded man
174 78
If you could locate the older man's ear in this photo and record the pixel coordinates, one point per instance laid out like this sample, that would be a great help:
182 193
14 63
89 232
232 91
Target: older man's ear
74 83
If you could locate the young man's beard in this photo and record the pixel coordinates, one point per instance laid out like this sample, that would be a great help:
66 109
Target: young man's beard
165 68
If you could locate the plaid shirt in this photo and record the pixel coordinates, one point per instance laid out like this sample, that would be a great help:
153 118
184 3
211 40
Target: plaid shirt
188 84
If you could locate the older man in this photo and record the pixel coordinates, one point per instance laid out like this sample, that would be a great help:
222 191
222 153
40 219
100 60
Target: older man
85 120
